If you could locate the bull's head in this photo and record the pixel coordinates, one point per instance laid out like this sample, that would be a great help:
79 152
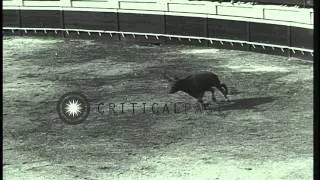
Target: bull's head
175 83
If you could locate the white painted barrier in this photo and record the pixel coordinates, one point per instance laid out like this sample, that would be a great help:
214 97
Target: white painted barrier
243 12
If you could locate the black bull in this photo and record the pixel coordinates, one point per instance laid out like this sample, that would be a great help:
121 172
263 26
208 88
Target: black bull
196 85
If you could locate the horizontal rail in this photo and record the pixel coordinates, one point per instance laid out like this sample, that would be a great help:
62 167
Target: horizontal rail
100 32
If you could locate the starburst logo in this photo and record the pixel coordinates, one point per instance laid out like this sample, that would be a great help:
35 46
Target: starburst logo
73 108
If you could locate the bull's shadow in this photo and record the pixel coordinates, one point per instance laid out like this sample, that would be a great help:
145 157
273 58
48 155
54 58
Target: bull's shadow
247 103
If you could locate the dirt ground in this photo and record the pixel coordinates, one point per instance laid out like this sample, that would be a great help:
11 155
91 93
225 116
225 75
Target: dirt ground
265 132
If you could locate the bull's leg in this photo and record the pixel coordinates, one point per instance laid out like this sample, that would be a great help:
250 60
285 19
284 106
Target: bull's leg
213 97
200 99
224 93
202 105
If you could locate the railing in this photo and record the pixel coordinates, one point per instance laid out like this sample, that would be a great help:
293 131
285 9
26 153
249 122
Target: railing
157 36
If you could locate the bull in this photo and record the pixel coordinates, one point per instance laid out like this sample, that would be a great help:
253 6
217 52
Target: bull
197 84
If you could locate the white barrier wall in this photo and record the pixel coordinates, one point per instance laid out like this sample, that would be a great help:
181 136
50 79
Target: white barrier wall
291 16
240 11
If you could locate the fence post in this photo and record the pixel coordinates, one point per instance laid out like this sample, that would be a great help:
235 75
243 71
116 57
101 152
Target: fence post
248 31
206 28
289 40
118 25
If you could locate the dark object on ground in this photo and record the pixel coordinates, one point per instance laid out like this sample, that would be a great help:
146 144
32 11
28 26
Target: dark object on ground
196 85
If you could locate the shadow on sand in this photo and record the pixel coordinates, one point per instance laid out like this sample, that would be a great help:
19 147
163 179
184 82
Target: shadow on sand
248 103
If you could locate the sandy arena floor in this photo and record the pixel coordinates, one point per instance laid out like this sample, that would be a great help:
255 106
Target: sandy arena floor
266 132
